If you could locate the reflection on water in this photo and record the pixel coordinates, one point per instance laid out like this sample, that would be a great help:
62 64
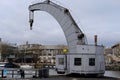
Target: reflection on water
115 74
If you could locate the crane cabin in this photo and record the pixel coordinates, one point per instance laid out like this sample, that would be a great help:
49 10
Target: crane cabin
88 59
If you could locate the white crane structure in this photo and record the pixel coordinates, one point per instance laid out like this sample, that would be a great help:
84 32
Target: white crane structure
81 57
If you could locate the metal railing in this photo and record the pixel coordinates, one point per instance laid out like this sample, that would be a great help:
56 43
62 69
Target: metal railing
15 73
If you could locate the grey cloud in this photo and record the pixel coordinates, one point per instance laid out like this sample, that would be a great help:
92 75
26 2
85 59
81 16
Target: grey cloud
99 17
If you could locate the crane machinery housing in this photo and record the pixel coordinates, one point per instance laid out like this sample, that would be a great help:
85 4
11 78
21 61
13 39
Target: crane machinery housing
81 57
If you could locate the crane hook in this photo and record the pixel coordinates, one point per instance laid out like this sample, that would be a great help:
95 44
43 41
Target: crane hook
31 23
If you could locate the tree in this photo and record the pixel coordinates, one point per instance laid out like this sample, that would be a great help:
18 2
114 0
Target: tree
7 50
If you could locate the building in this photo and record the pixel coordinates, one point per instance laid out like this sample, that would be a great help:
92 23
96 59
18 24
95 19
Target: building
37 53
108 55
49 52
108 51
28 53
116 53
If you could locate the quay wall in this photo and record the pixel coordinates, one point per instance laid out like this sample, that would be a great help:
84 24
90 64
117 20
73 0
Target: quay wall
113 67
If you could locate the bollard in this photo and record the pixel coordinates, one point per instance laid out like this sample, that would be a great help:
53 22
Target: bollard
44 73
40 73
2 74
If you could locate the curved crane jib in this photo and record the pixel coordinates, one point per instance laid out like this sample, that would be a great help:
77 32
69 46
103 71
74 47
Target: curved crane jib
73 34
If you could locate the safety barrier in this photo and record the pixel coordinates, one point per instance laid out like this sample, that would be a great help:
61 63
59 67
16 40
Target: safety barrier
27 73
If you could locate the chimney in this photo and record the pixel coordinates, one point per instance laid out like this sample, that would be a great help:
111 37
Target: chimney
95 40
0 39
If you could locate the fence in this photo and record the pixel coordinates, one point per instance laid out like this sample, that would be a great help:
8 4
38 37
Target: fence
14 73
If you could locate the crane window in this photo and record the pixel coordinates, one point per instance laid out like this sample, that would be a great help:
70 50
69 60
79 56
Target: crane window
91 61
61 61
77 61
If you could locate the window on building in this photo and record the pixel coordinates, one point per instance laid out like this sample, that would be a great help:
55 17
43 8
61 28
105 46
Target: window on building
91 61
77 61
54 54
49 54
61 61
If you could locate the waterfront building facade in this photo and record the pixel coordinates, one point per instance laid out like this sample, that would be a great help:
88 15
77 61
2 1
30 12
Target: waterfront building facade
108 55
36 53
116 53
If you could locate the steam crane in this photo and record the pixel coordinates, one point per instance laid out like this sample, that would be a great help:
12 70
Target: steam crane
81 57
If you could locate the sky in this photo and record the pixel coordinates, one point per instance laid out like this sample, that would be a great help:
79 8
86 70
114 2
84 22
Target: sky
94 17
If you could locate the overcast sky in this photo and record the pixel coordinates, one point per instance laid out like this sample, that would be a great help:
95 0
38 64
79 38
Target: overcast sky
94 17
